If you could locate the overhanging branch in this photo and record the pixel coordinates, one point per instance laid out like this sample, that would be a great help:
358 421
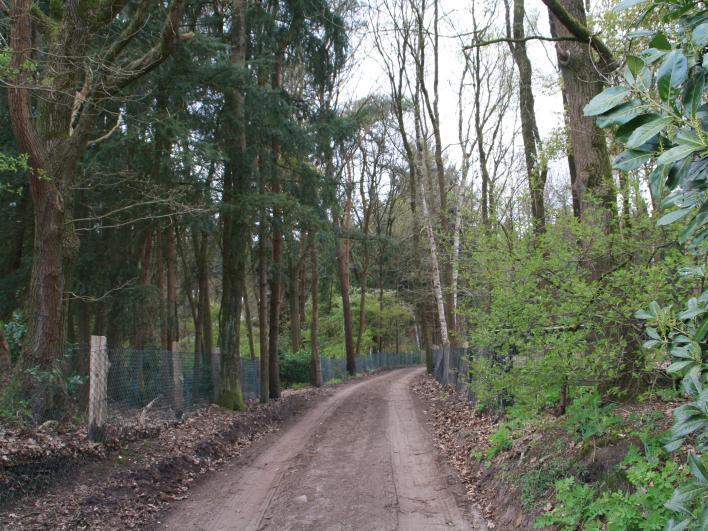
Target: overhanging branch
582 34
516 41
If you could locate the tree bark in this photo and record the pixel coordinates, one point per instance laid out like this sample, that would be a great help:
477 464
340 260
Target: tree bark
263 307
582 82
315 362
235 225
294 297
536 168
249 324
342 255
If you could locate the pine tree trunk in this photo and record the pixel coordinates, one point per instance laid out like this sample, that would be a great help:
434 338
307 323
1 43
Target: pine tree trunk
276 281
249 324
263 309
315 362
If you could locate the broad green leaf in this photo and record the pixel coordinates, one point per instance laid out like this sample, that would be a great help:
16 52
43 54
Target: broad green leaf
657 180
697 468
606 100
640 33
635 64
673 525
646 132
689 137
693 95
631 160
700 34
626 4
660 42
686 428
625 130
674 216
676 153
643 314
678 366
651 55
621 115
702 330
691 313
690 230
652 343
671 75
652 332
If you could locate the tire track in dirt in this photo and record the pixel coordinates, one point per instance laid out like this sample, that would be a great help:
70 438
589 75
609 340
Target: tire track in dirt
362 459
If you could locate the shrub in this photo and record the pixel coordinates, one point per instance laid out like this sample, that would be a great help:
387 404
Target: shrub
587 417
294 368
500 441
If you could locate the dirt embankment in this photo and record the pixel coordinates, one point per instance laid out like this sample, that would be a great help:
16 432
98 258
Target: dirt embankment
514 487
55 479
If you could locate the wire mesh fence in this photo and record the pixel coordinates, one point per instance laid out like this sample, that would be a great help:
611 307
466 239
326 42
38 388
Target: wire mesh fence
453 366
144 387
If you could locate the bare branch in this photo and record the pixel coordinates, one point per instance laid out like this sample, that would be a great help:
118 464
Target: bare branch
517 41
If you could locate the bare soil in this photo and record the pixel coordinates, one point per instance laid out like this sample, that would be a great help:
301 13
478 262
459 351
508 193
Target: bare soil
361 459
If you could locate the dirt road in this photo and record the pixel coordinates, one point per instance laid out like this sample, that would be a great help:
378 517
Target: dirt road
362 459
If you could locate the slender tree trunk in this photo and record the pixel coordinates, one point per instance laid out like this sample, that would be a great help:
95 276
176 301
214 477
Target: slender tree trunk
161 294
276 281
536 168
235 224
249 324
172 322
294 298
435 273
204 308
263 308
342 252
315 362
144 310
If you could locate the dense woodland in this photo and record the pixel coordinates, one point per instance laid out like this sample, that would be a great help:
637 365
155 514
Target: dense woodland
204 173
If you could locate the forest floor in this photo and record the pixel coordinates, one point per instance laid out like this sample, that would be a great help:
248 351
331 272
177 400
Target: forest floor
52 477
361 459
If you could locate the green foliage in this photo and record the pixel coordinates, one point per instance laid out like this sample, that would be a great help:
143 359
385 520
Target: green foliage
662 119
566 324
651 479
535 483
477 455
15 330
294 368
587 417
379 321
500 441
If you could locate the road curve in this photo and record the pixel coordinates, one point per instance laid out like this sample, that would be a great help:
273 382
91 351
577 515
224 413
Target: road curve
361 459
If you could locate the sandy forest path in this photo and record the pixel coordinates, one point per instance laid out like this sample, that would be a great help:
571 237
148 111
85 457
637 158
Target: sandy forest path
362 459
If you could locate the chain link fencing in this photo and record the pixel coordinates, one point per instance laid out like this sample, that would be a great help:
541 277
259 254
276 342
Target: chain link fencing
140 388
453 366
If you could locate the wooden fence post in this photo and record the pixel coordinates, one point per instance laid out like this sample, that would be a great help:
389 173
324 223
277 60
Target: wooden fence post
177 381
98 388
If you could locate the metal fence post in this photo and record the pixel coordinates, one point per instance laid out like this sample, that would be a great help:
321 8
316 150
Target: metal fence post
98 388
